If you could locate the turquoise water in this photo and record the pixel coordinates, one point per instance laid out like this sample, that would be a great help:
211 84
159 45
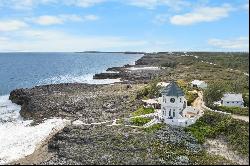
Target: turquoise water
24 70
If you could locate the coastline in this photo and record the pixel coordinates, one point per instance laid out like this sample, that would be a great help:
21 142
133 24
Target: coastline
88 104
41 149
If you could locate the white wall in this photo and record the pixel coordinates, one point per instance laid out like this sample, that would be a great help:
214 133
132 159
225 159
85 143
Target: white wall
177 106
233 104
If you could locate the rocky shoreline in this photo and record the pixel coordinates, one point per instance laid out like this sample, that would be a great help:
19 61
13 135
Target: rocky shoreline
103 144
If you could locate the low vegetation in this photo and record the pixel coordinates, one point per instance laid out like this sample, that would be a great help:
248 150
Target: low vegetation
233 110
149 91
190 96
142 111
211 125
140 121
154 128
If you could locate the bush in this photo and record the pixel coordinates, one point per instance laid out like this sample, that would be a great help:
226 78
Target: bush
149 91
190 97
143 111
140 121
246 99
154 128
212 124
234 110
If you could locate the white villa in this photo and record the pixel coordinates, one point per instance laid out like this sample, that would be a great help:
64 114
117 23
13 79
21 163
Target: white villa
174 109
199 84
232 100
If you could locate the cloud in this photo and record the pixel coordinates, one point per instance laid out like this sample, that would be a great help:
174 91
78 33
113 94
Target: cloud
91 17
152 4
30 4
202 14
24 4
12 25
161 18
48 40
241 43
83 3
48 20
60 19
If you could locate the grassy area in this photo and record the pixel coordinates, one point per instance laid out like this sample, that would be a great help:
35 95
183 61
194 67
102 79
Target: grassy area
140 121
154 128
234 110
212 124
142 111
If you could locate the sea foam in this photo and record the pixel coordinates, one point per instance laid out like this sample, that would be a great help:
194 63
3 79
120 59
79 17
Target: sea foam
17 137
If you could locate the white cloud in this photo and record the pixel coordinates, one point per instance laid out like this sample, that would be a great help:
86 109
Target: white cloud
48 20
152 4
48 40
24 4
241 43
60 19
91 17
30 4
202 14
12 25
83 3
246 6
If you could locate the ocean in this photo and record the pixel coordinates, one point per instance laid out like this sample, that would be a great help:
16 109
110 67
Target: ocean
18 138
25 70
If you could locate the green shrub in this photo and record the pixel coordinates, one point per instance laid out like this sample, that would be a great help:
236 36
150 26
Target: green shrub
140 121
143 111
154 128
190 97
149 91
234 110
212 124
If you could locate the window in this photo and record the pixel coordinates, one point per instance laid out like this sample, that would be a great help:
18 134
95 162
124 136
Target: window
180 99
232 102
169 113
174 113
227 102
172 100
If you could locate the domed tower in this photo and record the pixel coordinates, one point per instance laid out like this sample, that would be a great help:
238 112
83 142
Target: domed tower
173 102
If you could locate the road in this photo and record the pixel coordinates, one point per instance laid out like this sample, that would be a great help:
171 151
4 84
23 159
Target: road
199 104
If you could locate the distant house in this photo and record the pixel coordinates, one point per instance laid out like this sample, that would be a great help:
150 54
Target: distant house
199 84
232 100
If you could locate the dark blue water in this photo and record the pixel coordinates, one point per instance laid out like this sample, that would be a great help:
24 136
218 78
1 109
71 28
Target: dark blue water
24 70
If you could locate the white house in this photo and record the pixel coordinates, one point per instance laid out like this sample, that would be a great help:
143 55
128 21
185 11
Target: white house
174 108
232 100
199 84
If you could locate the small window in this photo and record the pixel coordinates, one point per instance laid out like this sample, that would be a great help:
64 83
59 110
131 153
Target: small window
232 102
180 99
227 102
169 113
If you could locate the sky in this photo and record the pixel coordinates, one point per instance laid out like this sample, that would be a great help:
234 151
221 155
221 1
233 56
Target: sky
124 25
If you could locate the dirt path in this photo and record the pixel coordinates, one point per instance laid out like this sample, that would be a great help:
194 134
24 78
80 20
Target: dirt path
199 104
219 147
245 118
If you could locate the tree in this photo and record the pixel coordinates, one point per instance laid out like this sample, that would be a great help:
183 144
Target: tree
214 92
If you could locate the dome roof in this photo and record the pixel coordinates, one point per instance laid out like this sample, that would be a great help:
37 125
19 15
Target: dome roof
173 90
